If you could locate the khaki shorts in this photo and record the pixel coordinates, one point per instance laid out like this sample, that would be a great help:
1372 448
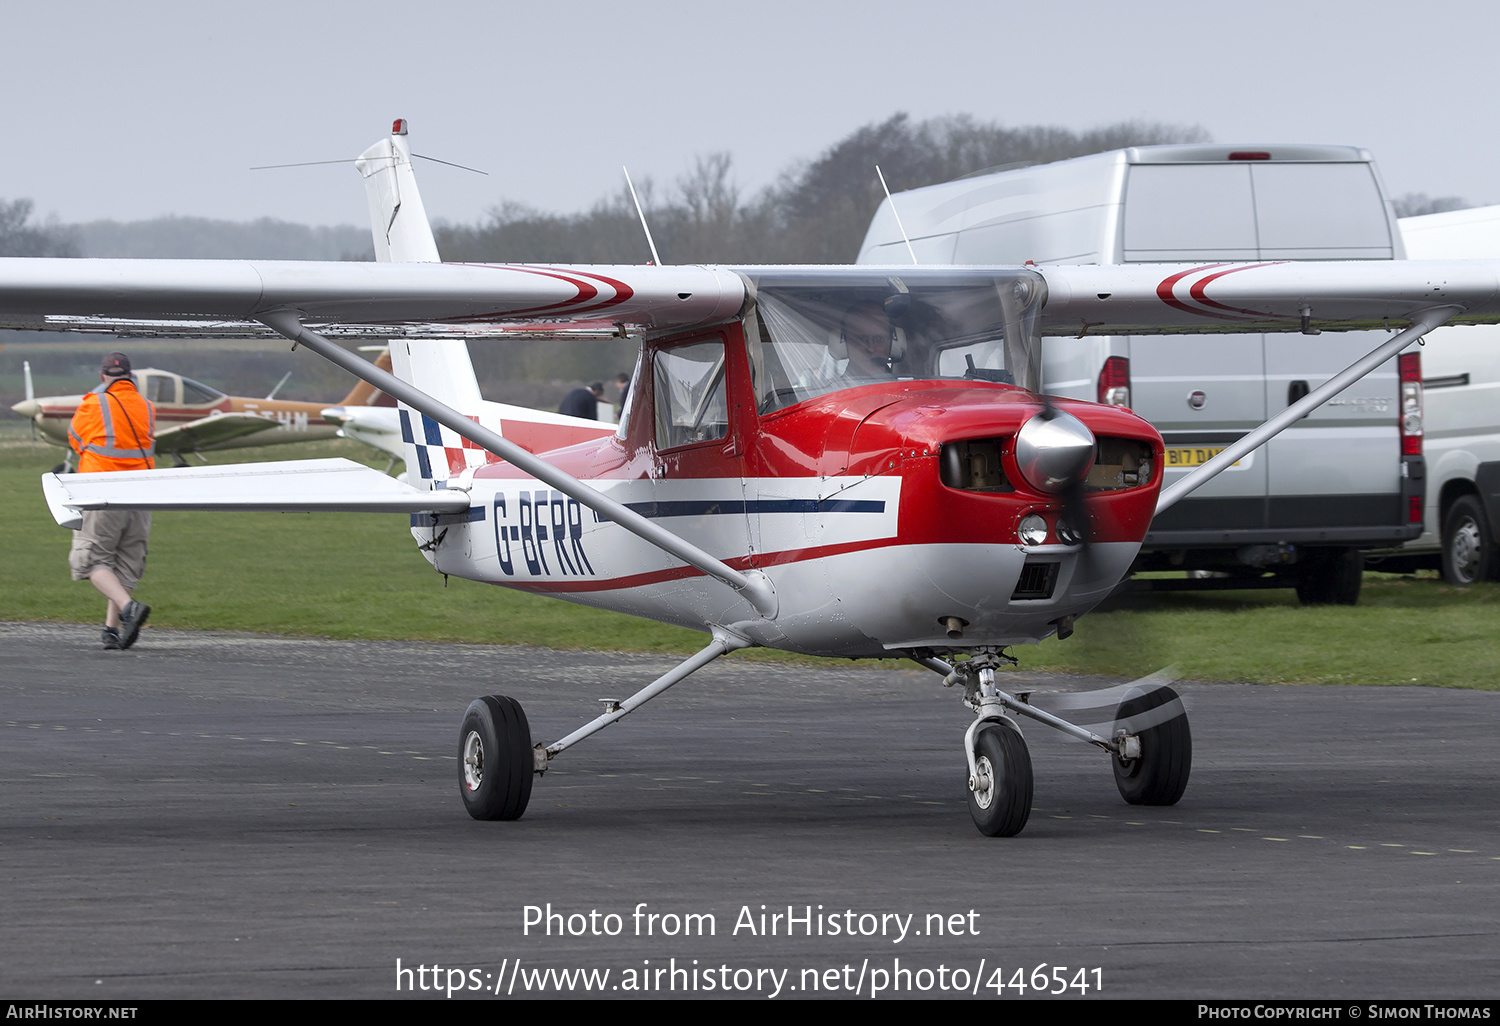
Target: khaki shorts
115 538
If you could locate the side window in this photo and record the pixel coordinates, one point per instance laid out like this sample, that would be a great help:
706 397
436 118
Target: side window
160 388
691 400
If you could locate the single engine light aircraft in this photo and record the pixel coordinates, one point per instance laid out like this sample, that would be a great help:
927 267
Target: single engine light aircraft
841 461
193 417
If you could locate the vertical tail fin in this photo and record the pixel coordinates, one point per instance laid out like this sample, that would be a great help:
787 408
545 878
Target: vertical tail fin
442 369
365 394
398 221
439 367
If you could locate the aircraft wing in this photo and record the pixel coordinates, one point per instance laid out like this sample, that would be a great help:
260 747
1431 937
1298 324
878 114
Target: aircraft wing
1159 299
474 300
206 432
292 486
205 297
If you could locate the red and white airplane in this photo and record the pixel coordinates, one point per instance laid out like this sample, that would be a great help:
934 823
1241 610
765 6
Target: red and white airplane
843 461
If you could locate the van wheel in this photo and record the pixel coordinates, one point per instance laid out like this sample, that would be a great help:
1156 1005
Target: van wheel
1467 545
1332 579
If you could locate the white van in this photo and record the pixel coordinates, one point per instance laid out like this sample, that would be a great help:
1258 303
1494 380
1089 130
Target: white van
1461 378
1299 511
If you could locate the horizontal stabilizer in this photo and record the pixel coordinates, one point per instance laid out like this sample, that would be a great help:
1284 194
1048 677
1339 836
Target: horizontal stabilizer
293 486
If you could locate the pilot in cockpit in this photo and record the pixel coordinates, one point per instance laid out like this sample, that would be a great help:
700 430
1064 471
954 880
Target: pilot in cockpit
869 341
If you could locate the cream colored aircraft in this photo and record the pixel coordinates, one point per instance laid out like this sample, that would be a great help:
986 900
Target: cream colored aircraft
193 417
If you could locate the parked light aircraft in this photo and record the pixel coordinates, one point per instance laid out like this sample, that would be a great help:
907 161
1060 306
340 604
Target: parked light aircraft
843 461
193 417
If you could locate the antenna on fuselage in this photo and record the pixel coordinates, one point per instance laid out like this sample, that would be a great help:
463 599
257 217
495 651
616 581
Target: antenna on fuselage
897 216
655 257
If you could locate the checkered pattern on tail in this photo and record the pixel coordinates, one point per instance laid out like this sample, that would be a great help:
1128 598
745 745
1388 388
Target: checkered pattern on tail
439 451
441 368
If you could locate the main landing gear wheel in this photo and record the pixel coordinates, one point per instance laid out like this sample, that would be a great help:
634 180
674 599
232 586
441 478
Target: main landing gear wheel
1000 801
1160 774
495 759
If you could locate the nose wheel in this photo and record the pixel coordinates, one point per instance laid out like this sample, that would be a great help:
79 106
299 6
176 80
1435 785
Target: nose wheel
1000 785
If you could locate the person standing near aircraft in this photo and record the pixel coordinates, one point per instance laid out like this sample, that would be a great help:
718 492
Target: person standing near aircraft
583 402
622 382
114 429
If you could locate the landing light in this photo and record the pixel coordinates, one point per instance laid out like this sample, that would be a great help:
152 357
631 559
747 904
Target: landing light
1033 530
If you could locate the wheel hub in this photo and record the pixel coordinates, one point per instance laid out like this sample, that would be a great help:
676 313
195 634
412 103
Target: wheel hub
983 784
473 761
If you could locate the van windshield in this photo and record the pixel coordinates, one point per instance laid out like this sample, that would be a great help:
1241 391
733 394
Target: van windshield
812 332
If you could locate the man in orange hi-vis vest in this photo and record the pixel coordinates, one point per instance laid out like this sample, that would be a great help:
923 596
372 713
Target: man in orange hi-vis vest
114 429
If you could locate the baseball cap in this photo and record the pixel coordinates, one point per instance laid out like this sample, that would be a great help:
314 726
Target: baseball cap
115 365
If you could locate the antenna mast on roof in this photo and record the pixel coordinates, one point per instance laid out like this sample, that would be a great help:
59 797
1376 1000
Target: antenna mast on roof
655 257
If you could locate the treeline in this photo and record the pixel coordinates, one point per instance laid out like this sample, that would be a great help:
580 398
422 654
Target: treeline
22 237
816 213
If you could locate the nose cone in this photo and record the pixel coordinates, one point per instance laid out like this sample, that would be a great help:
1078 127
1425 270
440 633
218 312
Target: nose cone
1054 450
27 408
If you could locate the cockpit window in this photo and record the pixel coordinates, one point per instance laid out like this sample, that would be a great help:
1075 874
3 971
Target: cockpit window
196 393
814 334
691 399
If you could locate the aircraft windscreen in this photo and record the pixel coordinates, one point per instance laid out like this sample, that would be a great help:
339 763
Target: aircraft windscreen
812 333
195 393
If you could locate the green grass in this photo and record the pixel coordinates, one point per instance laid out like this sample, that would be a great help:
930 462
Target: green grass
360 576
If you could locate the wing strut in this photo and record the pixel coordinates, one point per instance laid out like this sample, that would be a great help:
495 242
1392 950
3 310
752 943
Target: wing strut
753 585
1420 325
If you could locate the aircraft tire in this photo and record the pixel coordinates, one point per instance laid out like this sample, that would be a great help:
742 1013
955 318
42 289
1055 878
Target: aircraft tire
1001 807
1160 775
1468 550
495 759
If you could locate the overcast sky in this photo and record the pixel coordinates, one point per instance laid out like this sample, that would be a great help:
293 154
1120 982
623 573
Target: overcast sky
137 110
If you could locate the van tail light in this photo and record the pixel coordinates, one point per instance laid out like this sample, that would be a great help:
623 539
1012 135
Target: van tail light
1114 382
1410 366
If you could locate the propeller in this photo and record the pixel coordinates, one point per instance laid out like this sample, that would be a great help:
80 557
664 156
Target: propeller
1133 707
1055 451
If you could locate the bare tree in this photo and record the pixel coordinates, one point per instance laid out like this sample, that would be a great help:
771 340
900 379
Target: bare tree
816 213
18 238
1415 204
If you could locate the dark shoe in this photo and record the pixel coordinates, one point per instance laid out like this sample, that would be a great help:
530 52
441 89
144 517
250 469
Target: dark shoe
111 638
131 619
